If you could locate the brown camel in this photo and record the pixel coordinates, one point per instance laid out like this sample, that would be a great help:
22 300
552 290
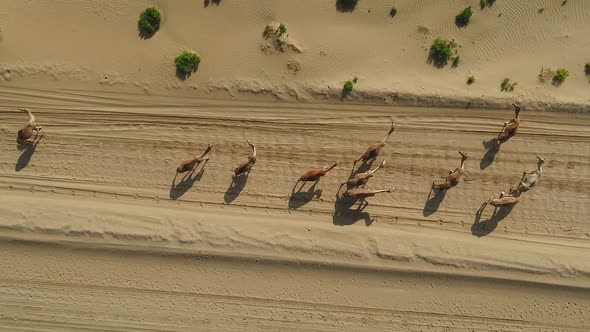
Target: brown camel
510 127
529 180
191 164
246 166
512 198
373 151
27 132
361 179
316 174
454 175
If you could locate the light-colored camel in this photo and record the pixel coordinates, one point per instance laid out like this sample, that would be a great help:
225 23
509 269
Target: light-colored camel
246 166
361 179
373 151
191 164
454 175
512 198
27 132
362 193
315 174
529 180
510 127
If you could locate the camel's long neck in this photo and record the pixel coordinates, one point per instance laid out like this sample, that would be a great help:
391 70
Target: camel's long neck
253 155
387 136
206 152
375 169
330 168
540 167
462 167
381 191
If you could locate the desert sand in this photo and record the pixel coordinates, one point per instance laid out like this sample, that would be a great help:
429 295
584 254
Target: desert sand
97 234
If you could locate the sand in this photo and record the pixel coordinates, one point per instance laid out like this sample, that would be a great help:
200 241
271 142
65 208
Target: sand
96 234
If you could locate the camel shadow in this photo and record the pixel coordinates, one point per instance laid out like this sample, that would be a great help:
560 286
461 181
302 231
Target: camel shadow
482 228
492 148
345 215
433 203
207 2
186 183
299 198
235 188
346 6
27 153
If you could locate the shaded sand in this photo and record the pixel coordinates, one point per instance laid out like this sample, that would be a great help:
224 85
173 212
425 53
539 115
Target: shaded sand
92 222
97 234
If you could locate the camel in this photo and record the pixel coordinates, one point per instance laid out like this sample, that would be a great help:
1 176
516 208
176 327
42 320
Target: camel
529 180
246 166
510 127
315 174
191 164
373 151
361 179
362 193
27 132
454 175
512 198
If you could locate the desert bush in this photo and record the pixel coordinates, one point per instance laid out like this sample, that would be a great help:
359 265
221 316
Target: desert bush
546 74
587 68
393 12
470 80
507 86
346 5
282 29
348 85
268 30
463 17
456 61
149 21
442 50
187 62
560 75
486 3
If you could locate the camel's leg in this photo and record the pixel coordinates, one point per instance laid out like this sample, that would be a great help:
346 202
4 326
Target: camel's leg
253 155
501 131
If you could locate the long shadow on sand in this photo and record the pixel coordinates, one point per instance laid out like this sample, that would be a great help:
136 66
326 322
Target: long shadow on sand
235 188
433 201
345 215
492 148
186 183
482 228
27 153
300 198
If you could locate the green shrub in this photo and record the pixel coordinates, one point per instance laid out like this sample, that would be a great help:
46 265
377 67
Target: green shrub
282 29
149 21
507 86
442 50
587 68
393 12
267 31
348 85
470 80
187 62
463 17
560 75
456 61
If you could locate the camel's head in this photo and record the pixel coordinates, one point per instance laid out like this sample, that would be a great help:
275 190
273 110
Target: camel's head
463 155
541 160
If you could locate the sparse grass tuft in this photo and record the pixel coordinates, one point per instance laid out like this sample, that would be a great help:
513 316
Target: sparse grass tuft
463 18
282 29
560 75
507 86
441 51
187 62
470 80
149 21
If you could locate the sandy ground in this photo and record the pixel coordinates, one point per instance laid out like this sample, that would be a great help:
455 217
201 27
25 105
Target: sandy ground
97 234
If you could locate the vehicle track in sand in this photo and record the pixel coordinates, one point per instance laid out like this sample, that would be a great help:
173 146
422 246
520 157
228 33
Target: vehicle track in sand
122 145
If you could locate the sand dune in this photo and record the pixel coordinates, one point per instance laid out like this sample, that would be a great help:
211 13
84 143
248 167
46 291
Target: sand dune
97 234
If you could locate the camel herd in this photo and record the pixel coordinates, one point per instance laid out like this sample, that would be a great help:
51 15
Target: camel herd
355 186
